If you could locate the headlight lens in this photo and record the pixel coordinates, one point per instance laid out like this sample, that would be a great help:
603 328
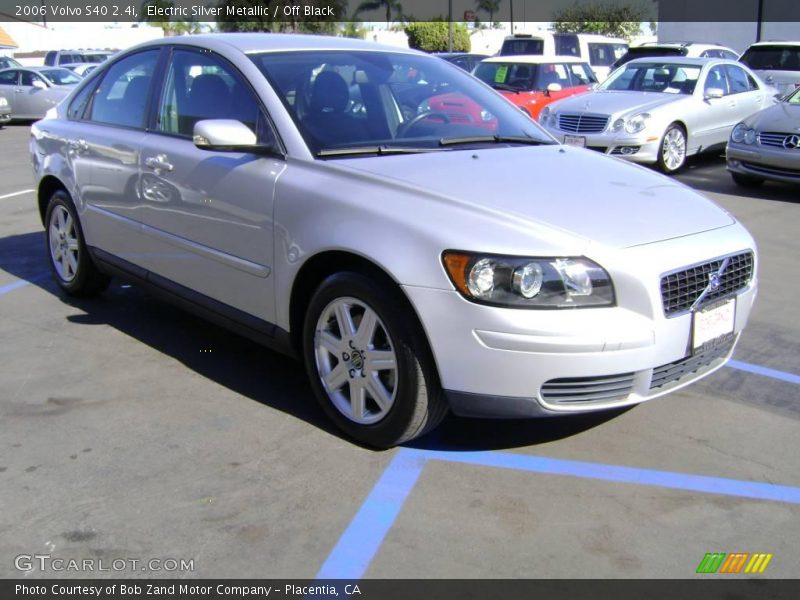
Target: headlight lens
743 134
544 116
557 282
3 101
633 124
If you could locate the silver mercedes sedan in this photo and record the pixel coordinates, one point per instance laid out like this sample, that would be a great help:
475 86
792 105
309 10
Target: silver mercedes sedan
304 191
31 91
660 110
767 145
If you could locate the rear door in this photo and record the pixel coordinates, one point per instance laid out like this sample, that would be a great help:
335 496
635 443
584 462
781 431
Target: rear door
743 88
8 83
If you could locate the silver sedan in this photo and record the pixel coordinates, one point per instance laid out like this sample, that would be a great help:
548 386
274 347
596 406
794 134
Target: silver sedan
660 110
321 196
32 91
767 145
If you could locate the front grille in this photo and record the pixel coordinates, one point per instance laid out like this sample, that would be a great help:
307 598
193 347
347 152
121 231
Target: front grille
680 290
772 170
579 390
774 139
675 371
582 123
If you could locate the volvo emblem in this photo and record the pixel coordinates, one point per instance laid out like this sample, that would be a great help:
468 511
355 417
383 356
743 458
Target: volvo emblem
791 142
714 281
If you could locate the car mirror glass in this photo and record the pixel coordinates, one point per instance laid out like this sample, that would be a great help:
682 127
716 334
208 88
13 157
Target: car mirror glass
714 93
554 87
39 84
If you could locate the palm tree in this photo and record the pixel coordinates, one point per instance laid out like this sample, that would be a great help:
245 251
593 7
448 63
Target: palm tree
390 5
489 6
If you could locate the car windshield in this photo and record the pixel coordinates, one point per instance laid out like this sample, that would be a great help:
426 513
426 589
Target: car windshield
669 78
390 102
7 62
773 58
60 76
526 76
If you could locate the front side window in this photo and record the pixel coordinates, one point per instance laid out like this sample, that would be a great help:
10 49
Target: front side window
661 77
60 76
202 86
716 79
121 98
350 99
605 54
552 73
27 78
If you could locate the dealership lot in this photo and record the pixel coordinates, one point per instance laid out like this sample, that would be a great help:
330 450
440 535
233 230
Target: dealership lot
130 430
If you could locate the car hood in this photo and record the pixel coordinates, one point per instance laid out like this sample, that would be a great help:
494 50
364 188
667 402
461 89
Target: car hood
581 192
613 102
782 117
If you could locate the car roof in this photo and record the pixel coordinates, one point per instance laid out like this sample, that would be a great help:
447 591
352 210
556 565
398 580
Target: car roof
534 59
682 60
251 43
775 43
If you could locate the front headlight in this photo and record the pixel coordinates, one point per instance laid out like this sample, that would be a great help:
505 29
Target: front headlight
633 124
743 134
3 101
516 282
544 116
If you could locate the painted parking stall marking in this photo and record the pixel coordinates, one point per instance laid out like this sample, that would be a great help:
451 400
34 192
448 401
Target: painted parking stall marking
12 194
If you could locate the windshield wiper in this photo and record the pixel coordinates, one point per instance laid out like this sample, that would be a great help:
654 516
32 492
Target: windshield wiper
380 150
507 88
493 139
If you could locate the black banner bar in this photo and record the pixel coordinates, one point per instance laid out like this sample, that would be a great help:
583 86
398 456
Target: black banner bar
704 587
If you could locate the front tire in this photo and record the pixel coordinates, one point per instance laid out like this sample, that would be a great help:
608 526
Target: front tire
747 181
672 149
70 263
368 362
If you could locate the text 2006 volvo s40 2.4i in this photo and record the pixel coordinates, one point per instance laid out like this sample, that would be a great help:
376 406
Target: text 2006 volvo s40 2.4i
301 191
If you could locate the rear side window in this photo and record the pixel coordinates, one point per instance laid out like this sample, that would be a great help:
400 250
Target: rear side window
77 107
567 44
738 79
605 54
772 58
523 46
8 78
121 98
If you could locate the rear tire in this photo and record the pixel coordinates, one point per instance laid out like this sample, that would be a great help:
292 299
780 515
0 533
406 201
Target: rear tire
69 259
747 181
368 362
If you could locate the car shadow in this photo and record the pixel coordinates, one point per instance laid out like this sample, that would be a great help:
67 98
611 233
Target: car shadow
249 369
707 173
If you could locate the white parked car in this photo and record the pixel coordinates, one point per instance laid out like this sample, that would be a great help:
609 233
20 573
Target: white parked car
660 110
777 63
303 191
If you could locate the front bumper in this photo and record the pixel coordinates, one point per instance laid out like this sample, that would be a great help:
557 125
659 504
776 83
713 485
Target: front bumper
5 117
640 148
763 161
501 362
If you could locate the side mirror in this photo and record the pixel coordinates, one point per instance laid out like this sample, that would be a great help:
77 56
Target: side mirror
228 135
554 87
39 84
714 93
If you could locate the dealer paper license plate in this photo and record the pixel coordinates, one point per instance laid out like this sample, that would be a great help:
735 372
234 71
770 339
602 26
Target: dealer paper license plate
575 140
713 323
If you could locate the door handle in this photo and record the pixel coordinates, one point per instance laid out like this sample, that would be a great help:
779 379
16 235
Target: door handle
159 162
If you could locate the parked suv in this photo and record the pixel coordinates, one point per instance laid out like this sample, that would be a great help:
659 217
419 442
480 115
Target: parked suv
777 63
70 57
690 49
598 50
415 263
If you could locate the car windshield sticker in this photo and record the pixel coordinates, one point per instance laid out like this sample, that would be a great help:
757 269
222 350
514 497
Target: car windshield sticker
500 76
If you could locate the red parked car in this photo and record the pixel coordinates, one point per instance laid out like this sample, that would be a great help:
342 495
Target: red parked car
533 82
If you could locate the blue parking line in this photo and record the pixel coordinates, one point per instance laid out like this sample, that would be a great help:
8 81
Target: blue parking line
359 543
363 537
22 283
765 371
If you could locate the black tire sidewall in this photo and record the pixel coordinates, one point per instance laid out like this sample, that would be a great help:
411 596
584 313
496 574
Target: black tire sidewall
83 272
661 164
394 427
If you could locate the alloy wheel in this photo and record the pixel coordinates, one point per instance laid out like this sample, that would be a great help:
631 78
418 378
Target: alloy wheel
64 246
